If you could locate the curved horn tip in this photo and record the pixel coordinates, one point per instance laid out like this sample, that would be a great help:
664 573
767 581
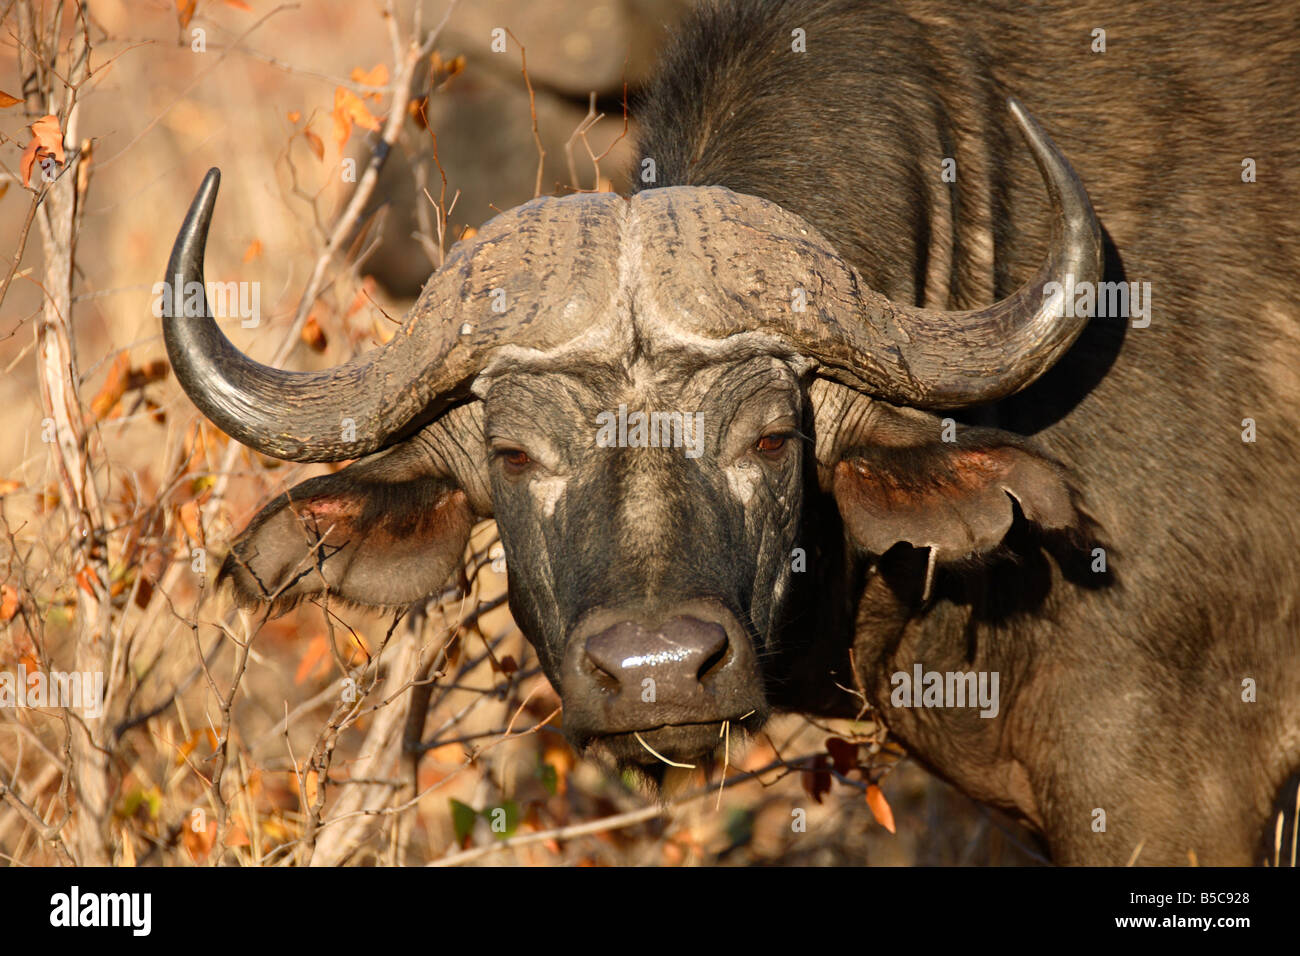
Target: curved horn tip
1029 126
187 251
959 359
206 197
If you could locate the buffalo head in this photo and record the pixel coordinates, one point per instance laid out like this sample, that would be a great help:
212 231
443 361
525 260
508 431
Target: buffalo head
646 394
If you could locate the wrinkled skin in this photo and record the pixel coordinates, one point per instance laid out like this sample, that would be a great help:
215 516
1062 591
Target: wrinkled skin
594 535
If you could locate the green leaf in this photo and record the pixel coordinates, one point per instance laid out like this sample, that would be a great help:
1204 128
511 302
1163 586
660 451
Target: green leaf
739 827
149 800
547 775
462 819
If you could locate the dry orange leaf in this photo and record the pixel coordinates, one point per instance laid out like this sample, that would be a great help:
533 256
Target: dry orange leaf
313 657
294 116
47 140
880 808
253 784
359 649
114 387
417 109
237 835
47 133
376 77
154 371
185 11
6 100
27 160
313 335
199 844
239 5
86 580
187 748
8 486
8 602
314 143
192 741
189 516
253 251
349 109
448 67
310 784
122 378
198 440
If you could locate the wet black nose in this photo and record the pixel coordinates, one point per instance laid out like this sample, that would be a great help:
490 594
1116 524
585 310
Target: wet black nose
629 670
655 665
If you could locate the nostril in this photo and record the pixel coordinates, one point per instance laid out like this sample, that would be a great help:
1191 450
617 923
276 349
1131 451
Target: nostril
608 651
715 662
604 680
704 645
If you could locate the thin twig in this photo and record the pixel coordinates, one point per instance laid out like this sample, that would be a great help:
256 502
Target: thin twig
532 110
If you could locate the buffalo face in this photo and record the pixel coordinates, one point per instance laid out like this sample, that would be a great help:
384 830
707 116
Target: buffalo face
648 511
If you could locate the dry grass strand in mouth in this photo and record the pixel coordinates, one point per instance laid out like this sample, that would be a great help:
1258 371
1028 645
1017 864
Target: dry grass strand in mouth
725 733
658 756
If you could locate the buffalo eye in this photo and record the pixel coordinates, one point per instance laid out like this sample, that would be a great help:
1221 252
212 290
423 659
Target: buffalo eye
771 446
514 460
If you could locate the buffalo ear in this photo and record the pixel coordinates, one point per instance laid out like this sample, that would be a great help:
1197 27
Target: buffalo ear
952 497
386 531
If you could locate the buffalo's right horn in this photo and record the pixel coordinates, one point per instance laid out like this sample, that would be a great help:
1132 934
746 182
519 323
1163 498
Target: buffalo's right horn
472 304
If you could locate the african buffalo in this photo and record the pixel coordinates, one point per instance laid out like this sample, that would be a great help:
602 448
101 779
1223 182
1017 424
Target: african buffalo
859 375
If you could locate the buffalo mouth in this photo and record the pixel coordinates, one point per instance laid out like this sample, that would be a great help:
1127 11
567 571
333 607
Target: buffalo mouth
651 752
651 688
